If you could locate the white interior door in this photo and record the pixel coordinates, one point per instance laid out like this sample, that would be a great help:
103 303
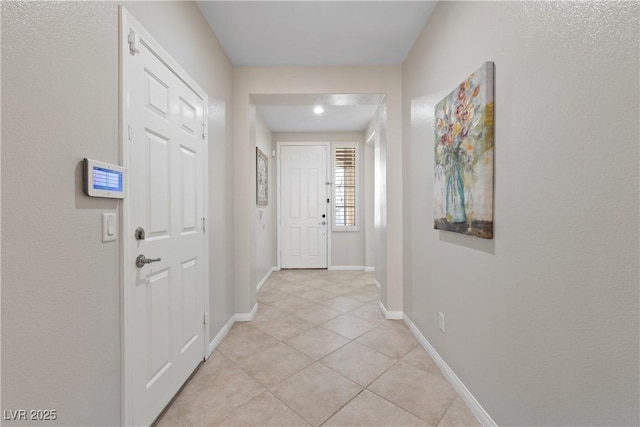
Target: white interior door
166 154
303 206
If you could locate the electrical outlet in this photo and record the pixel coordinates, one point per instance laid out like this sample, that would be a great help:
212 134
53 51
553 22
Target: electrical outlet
441 321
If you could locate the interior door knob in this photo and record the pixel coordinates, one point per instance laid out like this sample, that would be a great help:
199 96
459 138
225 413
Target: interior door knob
141 260
322 223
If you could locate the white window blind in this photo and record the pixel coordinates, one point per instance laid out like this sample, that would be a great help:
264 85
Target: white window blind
345 182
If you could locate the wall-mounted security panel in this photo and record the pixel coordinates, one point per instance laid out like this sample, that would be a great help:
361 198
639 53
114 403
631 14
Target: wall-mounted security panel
103 179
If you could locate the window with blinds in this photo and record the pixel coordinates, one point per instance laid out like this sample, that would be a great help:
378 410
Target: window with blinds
345 191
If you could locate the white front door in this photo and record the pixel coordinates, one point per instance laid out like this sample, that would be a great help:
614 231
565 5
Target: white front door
303 206
165 154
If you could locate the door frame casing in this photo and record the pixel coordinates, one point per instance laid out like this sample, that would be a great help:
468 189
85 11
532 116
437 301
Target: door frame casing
329 168
127 21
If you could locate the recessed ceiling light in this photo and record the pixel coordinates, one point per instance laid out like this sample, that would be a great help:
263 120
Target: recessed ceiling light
318 109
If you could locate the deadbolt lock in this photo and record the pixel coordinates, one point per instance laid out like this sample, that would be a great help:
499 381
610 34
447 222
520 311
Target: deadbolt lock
139 233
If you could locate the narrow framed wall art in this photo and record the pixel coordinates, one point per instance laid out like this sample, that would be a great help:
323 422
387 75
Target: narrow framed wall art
262 178
464 155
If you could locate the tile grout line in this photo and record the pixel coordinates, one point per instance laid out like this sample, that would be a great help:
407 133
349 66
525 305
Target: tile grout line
338 373
294 411
235 363
447 410
340 408
404 409
399 360
269 390
396 361
284 379
319 361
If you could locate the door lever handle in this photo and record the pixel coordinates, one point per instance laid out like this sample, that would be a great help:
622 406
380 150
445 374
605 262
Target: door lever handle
322 223
141 260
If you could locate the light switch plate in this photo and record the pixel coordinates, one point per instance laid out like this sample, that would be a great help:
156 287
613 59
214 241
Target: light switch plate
109 227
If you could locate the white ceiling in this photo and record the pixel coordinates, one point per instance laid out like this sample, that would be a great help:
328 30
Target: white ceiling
294 112
275 33
295 118
309 33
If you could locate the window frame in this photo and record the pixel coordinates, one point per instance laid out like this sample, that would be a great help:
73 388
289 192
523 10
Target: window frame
334 147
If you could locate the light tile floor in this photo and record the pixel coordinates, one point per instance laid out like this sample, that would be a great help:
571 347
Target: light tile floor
319 352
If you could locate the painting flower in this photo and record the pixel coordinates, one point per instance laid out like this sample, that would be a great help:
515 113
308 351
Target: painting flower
463 156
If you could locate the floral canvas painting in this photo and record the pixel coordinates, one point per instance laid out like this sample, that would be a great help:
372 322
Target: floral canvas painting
463 157
262 178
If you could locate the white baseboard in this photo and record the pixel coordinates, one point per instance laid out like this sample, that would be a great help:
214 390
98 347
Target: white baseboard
221 334
370 269
246 317
346 268
479 412
390 315
378 285
265 278
238 317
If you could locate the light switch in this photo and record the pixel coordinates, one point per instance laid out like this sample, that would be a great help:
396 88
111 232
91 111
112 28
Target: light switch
109 227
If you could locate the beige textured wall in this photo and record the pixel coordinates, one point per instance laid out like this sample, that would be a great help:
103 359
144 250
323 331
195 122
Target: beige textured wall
542 321
368 173
266 243
310 80
379 122
60 290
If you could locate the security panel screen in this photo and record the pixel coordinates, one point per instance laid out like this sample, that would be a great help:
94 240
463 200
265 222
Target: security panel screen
103 179
107 179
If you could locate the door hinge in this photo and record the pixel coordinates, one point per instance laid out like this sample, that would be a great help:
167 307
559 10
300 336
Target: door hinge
204 225
129 133
134 42
204 131
205 319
